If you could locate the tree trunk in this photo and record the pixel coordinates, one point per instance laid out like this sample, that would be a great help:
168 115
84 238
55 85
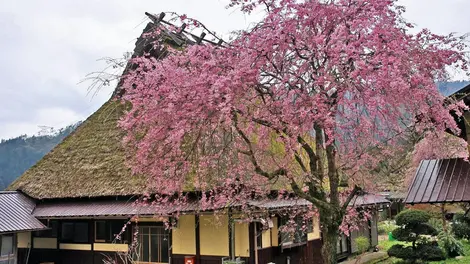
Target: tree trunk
330 235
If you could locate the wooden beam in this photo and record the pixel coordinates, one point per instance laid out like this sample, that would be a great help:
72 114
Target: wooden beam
199 40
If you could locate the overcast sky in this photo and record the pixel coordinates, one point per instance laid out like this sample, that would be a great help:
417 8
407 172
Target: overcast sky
47 47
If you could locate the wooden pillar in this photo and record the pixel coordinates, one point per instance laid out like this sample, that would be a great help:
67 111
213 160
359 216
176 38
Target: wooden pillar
255 242
198 241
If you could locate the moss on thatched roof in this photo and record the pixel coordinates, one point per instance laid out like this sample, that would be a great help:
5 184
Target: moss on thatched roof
90 162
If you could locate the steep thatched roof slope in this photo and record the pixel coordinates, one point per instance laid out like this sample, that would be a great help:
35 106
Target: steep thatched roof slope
88 163
91 161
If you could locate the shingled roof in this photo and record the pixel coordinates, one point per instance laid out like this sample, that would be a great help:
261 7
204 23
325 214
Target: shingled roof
91 161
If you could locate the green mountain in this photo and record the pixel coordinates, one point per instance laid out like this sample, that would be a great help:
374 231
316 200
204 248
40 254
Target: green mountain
20 153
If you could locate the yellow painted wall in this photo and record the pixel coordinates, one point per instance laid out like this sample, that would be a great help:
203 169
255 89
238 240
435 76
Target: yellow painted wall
75 246
266 239
274 233
45 242
184 237
316 229
214 235
24 239
109 247
242 239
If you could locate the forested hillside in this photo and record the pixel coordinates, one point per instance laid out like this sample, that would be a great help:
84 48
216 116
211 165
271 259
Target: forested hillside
20 153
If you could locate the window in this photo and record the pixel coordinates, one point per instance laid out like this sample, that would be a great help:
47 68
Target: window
100 231
74 232
67 232
7 249
153 245
298 236
80 232
53 226
106 231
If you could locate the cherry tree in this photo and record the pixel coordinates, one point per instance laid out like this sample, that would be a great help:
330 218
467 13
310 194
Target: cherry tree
313 96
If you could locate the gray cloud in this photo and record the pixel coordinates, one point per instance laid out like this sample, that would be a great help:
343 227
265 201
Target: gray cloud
47 47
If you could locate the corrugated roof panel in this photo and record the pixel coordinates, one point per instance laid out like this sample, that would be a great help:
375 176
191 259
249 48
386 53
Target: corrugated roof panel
89 208
466 188
93 209
418 178
15 213
454 181
438 181
458 195
432 181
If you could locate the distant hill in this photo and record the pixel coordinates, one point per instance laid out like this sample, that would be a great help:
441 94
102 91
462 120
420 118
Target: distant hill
20 153
448 88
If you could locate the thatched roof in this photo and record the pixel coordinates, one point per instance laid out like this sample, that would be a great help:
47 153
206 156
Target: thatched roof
91 161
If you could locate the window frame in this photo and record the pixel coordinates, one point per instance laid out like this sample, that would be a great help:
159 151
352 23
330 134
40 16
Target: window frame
74 232
162 235
110 227
96 230
12 255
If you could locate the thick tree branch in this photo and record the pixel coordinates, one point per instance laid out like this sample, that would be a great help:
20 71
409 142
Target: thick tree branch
250 153
349 198
313 158
315 201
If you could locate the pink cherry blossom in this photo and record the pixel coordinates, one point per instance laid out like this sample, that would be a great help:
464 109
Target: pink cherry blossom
317 93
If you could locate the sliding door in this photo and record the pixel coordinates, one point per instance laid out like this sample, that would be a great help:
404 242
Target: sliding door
153 245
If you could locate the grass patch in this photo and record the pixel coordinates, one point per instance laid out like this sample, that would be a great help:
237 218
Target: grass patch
385 244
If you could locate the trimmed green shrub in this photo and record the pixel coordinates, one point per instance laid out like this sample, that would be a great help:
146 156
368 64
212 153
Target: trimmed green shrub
399 251
430 251
412 217
412 226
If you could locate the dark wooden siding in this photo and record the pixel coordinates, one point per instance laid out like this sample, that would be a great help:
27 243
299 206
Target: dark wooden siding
310 253
265 255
